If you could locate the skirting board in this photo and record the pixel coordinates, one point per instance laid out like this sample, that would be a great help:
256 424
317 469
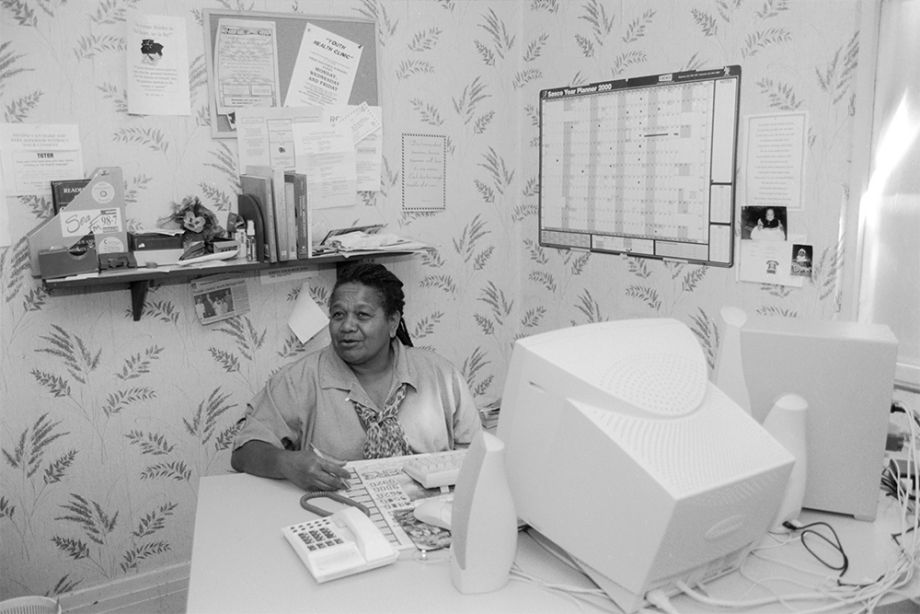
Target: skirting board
146 588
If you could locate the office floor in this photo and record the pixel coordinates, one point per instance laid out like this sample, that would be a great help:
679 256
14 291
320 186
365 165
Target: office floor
169 603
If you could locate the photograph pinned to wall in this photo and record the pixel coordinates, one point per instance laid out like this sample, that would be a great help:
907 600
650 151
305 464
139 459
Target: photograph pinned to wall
765 254
802 262
424 172
219 298
760 223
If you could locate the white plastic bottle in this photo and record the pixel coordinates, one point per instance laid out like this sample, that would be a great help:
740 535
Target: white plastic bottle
251 241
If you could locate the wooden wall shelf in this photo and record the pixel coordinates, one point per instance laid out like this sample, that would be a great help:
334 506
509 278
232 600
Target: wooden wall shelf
140 279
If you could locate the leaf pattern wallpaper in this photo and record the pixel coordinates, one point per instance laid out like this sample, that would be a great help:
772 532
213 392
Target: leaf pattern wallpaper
108 423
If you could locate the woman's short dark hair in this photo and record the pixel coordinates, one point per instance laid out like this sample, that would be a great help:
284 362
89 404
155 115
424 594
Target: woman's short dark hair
387 285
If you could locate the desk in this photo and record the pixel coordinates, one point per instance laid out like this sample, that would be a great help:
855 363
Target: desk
241 563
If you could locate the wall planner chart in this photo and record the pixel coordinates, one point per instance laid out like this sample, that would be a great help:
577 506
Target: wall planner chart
642 166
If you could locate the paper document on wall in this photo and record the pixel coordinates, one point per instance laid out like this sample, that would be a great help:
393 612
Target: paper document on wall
326 155
157 59
33 155
365 124
775 159
424 172
306 319
360 119
265 135
324 72
246 65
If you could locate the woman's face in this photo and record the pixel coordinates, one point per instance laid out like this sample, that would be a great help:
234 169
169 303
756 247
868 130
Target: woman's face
770 215
358 325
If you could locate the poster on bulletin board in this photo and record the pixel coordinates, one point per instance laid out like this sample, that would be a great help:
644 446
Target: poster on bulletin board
257 59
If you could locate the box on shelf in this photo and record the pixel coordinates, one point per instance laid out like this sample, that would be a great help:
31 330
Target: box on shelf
152 240
99 210
79 258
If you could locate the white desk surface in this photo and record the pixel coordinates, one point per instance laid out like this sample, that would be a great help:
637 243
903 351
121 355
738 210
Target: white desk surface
241 563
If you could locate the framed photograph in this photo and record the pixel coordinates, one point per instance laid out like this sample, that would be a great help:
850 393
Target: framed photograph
219 299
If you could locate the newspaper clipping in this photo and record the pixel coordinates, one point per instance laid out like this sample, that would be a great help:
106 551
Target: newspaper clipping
219 298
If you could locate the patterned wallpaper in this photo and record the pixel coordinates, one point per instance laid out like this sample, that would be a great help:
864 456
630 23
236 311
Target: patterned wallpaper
108 424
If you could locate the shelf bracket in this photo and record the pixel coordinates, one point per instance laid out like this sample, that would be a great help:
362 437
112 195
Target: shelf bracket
138 296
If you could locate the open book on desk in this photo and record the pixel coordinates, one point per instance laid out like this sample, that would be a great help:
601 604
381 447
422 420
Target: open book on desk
390 494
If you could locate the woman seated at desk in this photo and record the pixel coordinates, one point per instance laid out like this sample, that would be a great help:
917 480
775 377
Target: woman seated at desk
368 394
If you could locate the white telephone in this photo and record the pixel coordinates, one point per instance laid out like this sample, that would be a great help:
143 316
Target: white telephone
345 543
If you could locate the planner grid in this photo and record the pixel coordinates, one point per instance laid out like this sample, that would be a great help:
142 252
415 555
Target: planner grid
633 168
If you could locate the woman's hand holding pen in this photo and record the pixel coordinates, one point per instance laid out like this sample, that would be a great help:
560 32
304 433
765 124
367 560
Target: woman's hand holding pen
312 470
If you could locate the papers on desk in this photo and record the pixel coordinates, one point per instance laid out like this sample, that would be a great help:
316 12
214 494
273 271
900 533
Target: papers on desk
363 242
390 494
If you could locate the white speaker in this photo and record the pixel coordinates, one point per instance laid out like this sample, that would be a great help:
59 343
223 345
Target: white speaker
729 372
483 520
788 423
845 372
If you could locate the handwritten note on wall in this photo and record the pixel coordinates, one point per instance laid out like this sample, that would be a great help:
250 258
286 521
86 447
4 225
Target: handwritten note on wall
424 172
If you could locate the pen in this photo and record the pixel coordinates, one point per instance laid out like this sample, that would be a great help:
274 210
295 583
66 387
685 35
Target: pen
331 459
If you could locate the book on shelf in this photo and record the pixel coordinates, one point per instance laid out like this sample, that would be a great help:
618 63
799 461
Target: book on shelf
298 198
278 208
65 190
260 187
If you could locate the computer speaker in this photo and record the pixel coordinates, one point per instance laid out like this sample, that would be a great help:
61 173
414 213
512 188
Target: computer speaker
788 423
483 520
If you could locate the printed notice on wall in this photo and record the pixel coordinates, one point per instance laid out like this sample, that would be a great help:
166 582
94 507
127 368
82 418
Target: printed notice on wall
324 72
326 155
246 65
424 172
157 59
33 155
775 159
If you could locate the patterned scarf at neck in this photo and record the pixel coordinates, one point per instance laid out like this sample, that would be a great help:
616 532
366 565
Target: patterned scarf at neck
383 435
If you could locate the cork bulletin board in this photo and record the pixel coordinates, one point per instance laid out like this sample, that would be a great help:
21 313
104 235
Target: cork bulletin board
288 30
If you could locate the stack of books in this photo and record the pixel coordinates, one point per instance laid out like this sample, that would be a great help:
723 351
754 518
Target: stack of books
282 199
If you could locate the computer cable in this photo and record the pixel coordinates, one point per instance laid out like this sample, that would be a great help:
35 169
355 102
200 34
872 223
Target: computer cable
839 594
593 595
578 594
807 535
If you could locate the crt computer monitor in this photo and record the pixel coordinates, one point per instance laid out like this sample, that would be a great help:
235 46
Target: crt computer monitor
621 452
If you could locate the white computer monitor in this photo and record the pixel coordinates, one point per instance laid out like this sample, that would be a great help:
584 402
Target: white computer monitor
622 453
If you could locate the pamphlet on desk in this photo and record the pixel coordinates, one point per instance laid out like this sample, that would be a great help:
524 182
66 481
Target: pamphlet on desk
390 494
346 541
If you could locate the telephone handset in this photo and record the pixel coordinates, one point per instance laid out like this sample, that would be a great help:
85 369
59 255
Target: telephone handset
344 543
